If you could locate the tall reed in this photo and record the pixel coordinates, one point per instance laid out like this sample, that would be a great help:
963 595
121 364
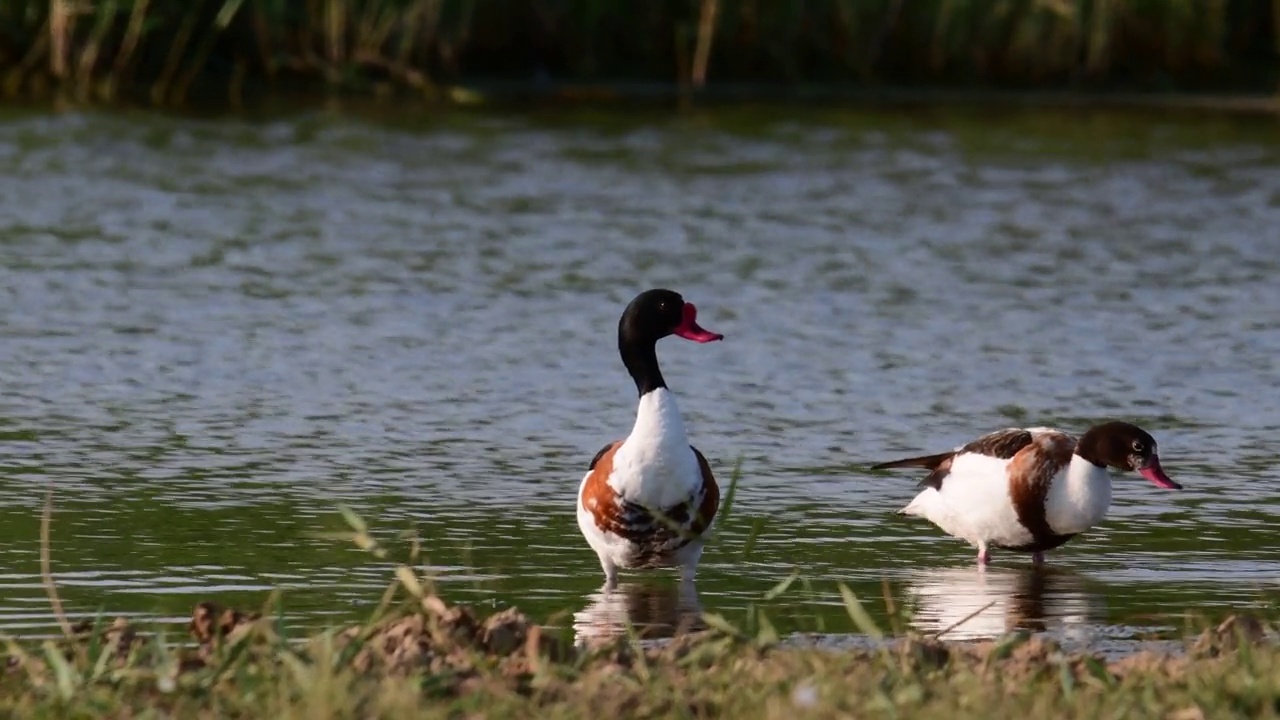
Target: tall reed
168 47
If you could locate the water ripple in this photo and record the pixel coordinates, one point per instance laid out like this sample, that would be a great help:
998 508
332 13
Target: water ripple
215 332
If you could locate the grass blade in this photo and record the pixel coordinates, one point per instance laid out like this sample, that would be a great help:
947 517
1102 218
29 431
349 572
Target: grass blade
354 521
726 506
410 581
858 614
716 622
1066 678
964 620
46 565
766 634
227 13
65 676
777 590
757 526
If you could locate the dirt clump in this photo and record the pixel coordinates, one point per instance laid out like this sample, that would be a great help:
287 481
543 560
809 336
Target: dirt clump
119 632
458 651
453 644
924 653
211 622
504 632
1229 634
1150 663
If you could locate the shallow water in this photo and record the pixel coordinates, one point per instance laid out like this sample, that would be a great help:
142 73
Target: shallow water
215 331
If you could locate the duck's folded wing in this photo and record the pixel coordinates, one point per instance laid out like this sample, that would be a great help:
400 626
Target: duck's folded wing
998 445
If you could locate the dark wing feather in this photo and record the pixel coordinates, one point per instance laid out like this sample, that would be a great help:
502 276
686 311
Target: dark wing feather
931 462
595 460
710 496
1002 444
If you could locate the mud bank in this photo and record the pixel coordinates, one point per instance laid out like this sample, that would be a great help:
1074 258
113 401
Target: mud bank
429 658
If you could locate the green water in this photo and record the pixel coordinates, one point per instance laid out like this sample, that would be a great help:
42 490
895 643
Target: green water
213 331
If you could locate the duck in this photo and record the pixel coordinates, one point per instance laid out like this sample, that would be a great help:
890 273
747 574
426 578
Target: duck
647 501
1029 489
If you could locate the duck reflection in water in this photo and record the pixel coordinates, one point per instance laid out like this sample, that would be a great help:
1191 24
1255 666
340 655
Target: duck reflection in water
653 609
1036 600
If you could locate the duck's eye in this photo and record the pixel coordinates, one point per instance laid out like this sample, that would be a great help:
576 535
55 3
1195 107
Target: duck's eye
662 306
1137 446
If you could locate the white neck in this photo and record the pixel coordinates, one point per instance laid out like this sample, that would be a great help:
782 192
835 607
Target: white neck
1084 475
655 465
658 420
1079 498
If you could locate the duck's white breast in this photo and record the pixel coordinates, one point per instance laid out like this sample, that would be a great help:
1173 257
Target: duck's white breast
1078 498
655 465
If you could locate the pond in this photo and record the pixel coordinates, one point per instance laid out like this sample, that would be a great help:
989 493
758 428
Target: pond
215 332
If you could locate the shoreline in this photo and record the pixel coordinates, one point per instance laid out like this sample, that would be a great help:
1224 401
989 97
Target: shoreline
426 658
524 97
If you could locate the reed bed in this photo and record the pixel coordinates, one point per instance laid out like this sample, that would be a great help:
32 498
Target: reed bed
168 48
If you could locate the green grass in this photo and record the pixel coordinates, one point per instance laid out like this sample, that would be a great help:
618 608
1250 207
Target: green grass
165 48
427 659
418 656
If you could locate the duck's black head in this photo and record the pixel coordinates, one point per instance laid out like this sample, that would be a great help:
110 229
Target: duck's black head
651 316
1125 446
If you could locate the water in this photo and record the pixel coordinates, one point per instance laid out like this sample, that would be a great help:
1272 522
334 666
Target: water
215 331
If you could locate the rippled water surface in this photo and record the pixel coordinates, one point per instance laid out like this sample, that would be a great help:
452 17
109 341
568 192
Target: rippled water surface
213 332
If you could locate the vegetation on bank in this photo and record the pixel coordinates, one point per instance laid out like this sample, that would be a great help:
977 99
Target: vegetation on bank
418 656
429 659
169 48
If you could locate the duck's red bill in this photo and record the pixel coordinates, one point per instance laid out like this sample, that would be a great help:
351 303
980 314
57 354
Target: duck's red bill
1153 472
689 329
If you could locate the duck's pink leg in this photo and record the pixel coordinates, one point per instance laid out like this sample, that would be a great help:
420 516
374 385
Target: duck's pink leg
1038 559
984 555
